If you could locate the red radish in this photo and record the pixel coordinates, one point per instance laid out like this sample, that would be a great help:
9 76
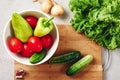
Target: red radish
26 52
32 21
15 45
35 44
47 41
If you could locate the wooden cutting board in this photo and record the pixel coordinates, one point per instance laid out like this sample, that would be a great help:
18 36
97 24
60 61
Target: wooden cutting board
69 40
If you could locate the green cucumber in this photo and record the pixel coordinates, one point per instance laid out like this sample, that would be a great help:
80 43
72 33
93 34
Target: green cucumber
37 57
79 65
65 58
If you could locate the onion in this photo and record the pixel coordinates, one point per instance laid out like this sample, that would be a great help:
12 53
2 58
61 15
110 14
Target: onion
46 6
57 10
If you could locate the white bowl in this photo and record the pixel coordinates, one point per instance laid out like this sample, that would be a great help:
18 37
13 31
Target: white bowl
8 33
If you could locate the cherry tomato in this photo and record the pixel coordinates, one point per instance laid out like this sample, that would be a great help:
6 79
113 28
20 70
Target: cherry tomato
47 41
35 44
15 45
27 52
32 21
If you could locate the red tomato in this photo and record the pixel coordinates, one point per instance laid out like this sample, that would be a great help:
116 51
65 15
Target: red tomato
15 45
32 21
26 52
47 41
35 44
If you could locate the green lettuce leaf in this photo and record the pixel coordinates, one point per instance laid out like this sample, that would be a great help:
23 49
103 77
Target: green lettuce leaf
98 19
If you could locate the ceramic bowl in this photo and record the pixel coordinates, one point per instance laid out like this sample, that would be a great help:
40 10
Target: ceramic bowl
8 33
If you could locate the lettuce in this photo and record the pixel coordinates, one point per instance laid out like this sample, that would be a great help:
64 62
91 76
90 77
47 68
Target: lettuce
98 19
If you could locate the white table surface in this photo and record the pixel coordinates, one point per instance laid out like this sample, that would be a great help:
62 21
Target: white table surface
7 7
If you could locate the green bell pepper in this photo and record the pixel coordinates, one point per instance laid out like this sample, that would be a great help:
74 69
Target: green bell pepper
22 30
44 26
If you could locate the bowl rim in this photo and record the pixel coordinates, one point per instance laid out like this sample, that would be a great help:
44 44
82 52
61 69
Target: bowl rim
8 51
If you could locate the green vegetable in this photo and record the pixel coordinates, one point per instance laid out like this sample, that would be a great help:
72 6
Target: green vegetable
37 57
65 58
79 65
98 19
44 26
22 29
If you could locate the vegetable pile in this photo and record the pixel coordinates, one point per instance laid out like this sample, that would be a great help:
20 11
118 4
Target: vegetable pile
98 19
32 36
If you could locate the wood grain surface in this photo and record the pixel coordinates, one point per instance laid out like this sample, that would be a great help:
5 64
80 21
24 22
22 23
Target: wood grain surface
69 40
